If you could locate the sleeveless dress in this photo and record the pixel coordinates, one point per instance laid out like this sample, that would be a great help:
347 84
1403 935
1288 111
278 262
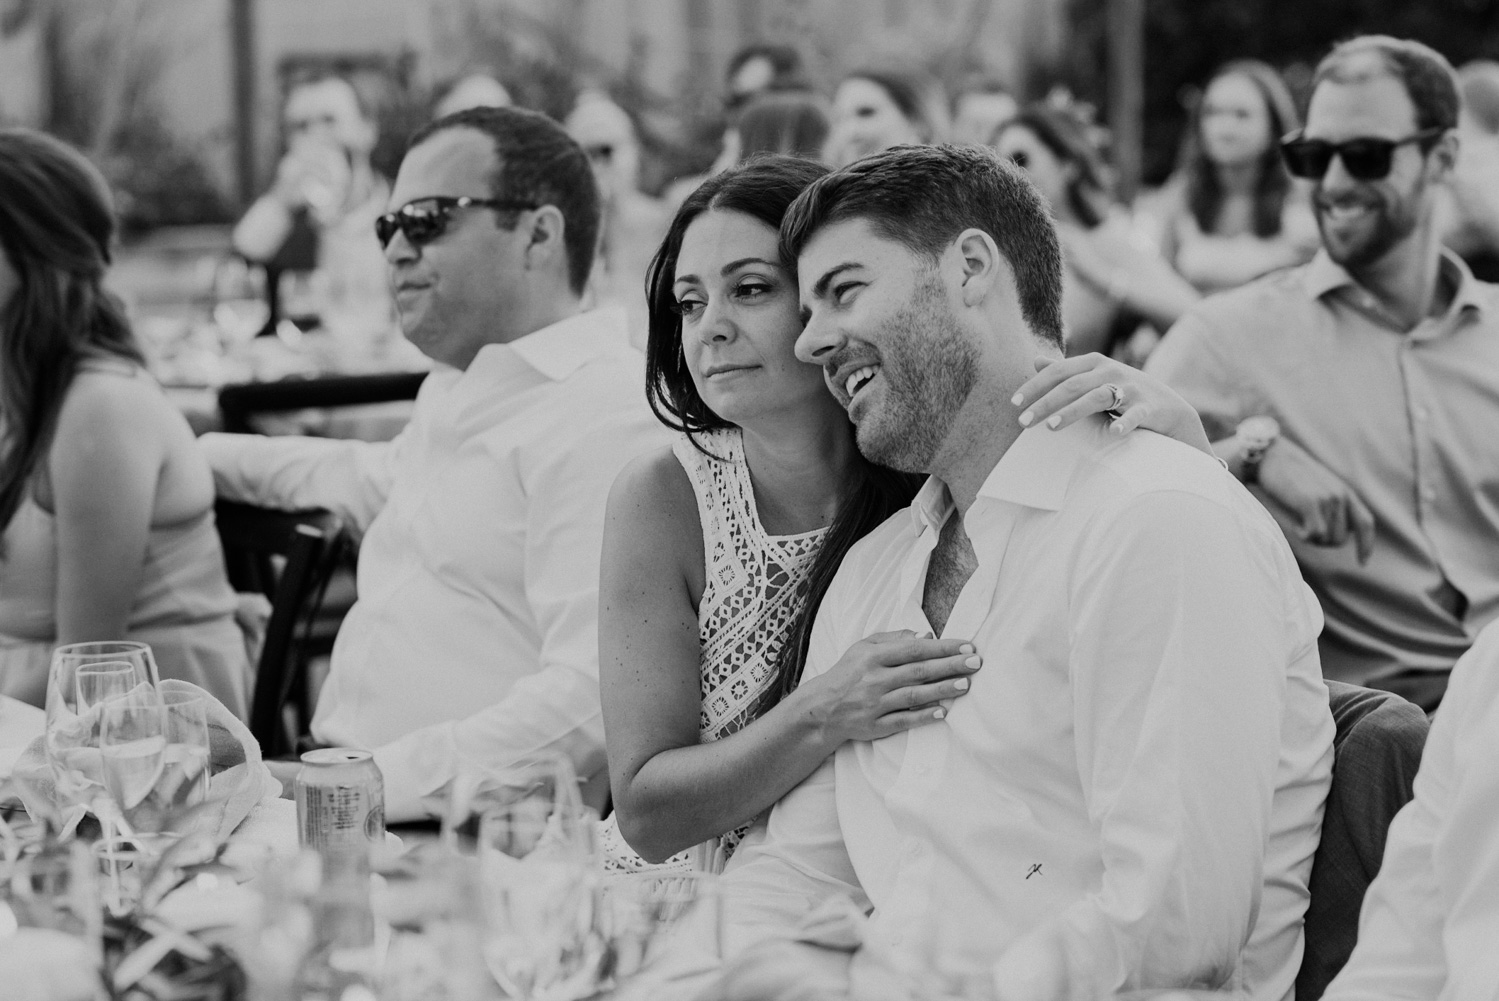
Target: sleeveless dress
755 587
184 608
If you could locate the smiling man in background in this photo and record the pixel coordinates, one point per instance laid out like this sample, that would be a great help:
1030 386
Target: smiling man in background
1358 395
474 642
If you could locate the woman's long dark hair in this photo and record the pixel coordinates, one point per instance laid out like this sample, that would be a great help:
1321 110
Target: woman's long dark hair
763 188
56 224
1272 184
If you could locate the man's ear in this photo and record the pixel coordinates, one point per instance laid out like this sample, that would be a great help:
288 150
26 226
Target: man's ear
545 230
1444 155
981 265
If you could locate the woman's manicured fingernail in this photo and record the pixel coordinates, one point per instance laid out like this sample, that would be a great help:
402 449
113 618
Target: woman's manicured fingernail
1053 421
1026 418
1117 427
1018 399
939 713
966 648
974 662
961 684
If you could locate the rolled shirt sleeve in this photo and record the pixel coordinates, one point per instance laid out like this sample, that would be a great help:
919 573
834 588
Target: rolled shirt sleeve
350 478
1196 364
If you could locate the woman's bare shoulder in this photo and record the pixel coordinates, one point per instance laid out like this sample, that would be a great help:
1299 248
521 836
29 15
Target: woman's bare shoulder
653 492
116 400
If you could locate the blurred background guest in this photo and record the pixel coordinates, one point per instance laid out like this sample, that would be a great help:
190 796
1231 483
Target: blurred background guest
795 122
633 222
476 90
981 107
1112 282
319 214
1232 213
1471 199
105 501
878 107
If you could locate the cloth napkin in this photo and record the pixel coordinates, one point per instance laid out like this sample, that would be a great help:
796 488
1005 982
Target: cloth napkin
238 779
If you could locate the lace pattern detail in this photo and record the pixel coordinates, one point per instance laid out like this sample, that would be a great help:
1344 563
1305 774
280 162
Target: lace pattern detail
756 586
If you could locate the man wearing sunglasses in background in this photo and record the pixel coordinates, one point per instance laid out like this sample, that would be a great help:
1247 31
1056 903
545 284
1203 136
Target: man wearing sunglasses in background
474 642
1359 394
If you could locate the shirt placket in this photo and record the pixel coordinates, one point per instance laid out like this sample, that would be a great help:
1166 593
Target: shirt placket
1418 413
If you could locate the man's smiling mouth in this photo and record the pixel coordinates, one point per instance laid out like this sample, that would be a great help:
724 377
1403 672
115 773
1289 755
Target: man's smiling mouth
858 379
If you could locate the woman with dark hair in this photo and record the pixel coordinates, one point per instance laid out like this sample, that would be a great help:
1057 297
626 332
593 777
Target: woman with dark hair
1232 212
879 107
718 550
1112 283
106 505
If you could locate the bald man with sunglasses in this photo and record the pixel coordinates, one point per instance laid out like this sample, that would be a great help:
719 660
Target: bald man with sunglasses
473 646
1358 395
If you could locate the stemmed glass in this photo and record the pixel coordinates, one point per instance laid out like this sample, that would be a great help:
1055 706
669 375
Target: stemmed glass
84 677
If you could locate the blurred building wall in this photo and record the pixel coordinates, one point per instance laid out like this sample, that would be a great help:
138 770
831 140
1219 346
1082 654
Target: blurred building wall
22 92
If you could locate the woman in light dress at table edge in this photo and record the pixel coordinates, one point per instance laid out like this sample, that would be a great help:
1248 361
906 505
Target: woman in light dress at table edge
718 550
106 505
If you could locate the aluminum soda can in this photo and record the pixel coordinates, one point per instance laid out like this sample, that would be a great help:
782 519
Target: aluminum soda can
340 802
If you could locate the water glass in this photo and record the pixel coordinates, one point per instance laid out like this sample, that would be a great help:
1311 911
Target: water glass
644 913
429 901
545 786
124 866
538 873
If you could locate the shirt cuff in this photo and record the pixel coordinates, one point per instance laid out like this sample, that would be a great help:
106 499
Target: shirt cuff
418 769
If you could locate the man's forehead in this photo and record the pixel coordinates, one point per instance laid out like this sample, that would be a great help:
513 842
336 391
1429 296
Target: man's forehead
1364 98
452 162
847 241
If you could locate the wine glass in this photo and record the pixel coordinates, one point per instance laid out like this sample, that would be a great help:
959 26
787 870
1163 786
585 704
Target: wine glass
155 761
84 677
538 872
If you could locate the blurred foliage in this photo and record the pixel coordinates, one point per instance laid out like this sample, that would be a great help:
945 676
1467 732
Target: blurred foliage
1186 40
103 62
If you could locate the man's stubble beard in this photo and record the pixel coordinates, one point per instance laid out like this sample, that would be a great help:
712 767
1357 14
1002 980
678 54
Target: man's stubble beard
1394 222
929 368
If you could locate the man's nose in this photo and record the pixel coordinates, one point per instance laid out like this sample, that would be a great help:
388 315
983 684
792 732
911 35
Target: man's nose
400 250
818 340
1336 180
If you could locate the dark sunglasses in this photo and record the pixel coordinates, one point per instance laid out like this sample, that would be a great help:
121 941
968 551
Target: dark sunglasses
425 219
1364 159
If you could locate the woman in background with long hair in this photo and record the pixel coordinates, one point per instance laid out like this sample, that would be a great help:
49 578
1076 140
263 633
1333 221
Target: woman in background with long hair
1112 282
1233 213
106 505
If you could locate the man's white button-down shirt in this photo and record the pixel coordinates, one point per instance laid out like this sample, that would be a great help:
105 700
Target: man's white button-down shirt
1430 923
474 641
1131 793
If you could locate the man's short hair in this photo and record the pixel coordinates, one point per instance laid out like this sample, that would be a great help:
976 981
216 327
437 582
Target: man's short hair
364 103
1426 74
536 162
924 196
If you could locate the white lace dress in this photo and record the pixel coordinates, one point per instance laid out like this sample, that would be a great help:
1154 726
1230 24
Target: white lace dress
756 585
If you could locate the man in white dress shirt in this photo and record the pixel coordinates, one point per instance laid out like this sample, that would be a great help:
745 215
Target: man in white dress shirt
1131 795
474 642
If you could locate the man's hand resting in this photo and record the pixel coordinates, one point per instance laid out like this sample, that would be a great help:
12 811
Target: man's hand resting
1328 509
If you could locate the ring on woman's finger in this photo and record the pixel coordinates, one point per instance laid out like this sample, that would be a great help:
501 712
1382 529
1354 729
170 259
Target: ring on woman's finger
1115 409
